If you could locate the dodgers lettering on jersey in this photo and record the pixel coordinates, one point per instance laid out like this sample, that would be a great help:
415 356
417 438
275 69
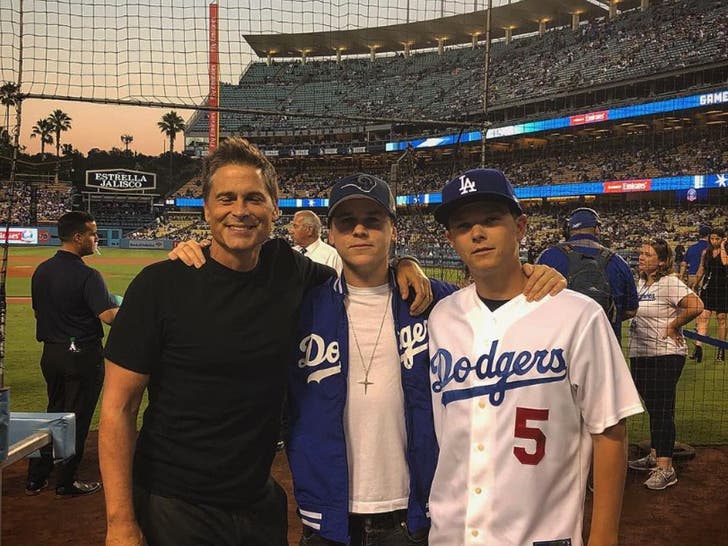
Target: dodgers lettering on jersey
516 397
547 365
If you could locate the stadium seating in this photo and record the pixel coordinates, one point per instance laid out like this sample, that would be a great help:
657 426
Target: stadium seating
576 162
667 36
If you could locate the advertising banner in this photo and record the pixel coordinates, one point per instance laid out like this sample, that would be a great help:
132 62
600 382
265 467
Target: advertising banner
120 180
626 186
19 235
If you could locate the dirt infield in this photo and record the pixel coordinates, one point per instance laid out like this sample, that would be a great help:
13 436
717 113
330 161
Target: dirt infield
22 267
693 512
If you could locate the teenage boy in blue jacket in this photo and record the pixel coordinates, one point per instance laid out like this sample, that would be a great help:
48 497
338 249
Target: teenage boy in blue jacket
362 447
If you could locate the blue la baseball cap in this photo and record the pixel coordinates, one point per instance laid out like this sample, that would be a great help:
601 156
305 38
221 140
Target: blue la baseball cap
365 186
475 185
583 218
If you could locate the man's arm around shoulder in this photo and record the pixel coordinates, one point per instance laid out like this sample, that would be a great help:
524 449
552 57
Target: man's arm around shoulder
123 390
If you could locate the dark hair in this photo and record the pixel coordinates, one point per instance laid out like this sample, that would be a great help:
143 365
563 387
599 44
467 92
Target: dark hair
720 232
73 222
664 254
238 151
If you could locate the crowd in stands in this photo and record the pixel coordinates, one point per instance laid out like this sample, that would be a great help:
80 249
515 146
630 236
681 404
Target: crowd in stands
567 164
127 215
614 163
51 203
623 227
669 35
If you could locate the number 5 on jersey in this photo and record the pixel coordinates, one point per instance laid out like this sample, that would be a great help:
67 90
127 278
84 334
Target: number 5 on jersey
522 430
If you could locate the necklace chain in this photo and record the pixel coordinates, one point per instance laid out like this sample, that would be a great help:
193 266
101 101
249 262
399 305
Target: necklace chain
367 367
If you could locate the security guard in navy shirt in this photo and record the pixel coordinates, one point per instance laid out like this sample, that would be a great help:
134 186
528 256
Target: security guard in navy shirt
70 301
582 230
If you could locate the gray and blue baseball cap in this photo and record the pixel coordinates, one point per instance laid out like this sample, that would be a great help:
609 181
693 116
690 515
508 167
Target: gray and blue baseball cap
583 218
476 185
360 185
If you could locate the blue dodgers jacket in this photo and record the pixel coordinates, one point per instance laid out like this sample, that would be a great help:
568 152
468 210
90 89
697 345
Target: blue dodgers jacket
318 376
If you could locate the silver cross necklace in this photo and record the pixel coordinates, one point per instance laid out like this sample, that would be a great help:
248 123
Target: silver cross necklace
367 367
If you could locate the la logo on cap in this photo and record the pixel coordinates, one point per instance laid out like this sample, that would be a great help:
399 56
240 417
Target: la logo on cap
466 185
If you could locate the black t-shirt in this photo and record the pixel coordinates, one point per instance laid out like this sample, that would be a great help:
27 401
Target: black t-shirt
68 296
215 343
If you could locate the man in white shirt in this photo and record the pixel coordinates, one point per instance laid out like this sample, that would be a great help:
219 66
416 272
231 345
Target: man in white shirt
522 392
305 229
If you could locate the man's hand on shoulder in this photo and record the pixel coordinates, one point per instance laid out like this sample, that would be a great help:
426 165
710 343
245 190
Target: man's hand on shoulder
542 280
409 274
189 253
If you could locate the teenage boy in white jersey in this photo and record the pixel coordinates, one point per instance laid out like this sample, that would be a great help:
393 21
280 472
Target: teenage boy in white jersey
362 447
522 391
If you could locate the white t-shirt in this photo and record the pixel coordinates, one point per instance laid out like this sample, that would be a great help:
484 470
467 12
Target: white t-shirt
658 306
516 394
376 437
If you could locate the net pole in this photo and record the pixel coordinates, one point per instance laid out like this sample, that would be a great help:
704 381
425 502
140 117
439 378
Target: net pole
11 202
486 67
214 75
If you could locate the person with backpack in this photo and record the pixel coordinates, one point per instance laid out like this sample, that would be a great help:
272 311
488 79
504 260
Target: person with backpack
593 269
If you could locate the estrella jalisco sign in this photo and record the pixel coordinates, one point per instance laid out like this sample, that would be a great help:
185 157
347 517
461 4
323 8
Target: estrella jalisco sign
121 180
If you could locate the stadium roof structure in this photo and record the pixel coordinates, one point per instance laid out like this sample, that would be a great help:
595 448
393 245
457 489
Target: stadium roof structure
520 17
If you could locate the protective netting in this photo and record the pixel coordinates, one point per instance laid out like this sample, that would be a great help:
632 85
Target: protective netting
156 51
626 116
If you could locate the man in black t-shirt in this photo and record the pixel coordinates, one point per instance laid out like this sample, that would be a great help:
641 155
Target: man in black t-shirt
70 300
210 345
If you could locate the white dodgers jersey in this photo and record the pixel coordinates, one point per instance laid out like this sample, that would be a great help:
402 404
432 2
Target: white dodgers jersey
516 394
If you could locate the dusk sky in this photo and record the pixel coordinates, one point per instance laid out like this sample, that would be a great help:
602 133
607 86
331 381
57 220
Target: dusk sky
101 126
156 51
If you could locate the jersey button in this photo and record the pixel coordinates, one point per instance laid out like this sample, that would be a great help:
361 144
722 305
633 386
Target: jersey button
481 404
474 532
478 490
480 447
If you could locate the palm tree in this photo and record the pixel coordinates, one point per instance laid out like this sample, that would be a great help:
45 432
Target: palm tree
8 98
127 139
60 121
44 130
170 125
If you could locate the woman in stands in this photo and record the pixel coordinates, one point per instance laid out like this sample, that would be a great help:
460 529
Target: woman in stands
657 353
712 276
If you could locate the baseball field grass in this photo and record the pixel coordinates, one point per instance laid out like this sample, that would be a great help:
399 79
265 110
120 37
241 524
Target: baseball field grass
702 404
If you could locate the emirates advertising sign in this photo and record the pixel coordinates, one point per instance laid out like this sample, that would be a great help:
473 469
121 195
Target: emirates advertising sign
121 180
19 235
